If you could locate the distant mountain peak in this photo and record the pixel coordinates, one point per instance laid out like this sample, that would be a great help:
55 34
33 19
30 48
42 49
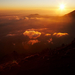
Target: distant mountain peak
34 15
71 14
74 11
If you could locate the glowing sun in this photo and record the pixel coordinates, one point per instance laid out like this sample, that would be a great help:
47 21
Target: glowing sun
62 6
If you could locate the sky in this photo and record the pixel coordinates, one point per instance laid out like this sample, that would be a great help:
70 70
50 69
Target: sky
36 4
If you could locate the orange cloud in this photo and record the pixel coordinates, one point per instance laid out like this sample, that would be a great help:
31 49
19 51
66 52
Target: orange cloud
39 18
41 30
26 18
32 34
47 34
33 18
60 34
33 42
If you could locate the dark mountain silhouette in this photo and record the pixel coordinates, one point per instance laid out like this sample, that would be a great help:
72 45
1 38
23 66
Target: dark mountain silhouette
70 19
71 14
59 61
13 56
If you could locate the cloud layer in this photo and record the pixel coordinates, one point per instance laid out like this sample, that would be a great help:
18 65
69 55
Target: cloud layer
34 18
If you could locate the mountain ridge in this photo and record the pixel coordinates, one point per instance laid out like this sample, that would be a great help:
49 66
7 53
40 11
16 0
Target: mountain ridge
71 14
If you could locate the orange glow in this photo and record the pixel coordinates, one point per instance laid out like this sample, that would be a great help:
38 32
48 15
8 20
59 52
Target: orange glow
33 42
32 34
60 34
42 11
47 34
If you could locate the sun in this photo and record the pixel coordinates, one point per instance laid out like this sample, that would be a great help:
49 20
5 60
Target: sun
62 6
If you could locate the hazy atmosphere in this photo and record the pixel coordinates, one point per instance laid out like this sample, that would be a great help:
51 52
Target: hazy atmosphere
37 37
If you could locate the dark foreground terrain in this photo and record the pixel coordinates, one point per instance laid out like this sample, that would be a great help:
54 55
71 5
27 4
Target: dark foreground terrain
60 61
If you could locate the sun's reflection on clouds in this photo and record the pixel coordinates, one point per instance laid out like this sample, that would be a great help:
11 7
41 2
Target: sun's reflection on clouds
26 18
29 43
34 18
32 34
60 34
47 34
33 41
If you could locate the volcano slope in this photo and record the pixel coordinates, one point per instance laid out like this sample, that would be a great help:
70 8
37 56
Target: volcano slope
59 61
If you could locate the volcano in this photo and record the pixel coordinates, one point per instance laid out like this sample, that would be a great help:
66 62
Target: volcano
71 14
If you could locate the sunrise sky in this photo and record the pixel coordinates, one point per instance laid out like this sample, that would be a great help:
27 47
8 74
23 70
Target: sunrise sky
51 5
